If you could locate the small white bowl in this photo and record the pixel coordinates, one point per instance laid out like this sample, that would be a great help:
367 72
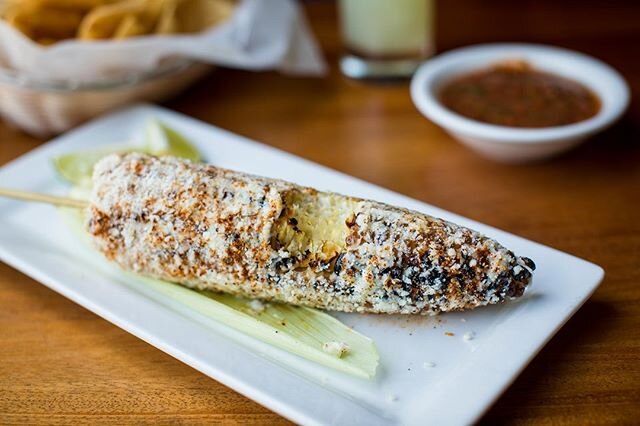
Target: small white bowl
512 144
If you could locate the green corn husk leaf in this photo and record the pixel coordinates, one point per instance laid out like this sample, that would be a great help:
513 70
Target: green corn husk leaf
160 139
298 330
77 167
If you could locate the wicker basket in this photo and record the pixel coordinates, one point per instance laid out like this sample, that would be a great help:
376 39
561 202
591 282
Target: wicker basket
45 108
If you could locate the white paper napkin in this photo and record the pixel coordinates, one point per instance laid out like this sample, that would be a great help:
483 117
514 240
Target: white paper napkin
260 35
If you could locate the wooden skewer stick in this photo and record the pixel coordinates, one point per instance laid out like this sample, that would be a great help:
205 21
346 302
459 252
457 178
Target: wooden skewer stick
43 198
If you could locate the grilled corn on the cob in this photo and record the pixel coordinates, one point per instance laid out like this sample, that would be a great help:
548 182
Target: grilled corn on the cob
216 229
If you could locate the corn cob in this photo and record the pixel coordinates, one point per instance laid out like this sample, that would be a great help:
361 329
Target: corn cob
221 230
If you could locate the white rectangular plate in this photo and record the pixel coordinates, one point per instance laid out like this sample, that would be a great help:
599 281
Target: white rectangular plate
468 374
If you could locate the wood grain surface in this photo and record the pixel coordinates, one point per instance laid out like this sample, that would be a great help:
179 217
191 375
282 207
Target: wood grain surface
60 364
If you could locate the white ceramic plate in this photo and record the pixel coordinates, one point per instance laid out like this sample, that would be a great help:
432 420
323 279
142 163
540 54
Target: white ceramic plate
468 375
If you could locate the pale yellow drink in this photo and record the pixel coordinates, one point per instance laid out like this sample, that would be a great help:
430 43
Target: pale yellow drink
391 30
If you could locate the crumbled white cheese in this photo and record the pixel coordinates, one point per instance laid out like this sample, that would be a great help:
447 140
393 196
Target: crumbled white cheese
338 349
468 336
257 306
154 233
428 364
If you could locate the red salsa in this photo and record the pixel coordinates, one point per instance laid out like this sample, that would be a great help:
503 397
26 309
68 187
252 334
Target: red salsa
514 94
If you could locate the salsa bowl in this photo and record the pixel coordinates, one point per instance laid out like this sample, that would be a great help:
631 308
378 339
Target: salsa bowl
518 144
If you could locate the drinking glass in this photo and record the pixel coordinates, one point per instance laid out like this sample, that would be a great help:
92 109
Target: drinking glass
385 38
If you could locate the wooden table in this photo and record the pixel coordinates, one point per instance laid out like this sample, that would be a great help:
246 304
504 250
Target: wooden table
60 364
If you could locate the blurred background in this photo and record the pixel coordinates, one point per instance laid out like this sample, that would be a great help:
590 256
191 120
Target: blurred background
584 202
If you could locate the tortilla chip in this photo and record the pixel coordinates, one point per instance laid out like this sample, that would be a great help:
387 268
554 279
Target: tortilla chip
78 5
167 21
46 41
45 23
104 21
198 15
130 26
48 21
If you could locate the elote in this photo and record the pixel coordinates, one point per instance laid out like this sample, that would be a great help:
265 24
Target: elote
216 229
